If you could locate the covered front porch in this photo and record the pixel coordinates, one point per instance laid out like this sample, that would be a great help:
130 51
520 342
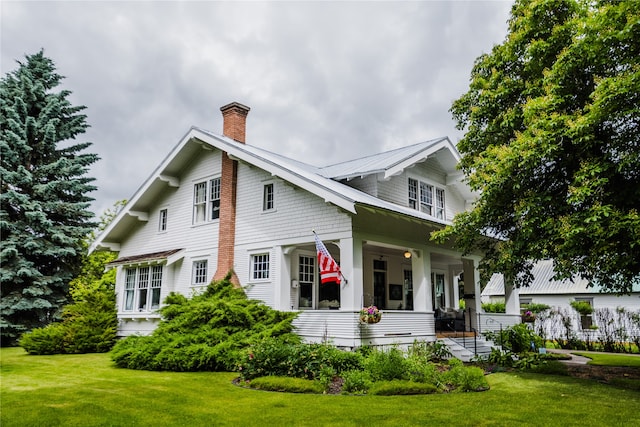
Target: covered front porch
418 288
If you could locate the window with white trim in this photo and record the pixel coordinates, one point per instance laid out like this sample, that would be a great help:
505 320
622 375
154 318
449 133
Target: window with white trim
142 288
268 197
199 276
426 198
162 220
206 201
260 266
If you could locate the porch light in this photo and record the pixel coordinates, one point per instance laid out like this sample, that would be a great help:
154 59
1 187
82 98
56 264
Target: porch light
407 254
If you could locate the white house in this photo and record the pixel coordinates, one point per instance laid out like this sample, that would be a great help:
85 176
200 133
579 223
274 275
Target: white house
216 204
559 293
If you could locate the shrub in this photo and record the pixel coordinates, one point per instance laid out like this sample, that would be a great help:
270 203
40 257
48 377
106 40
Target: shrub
277 357
423 372
494 307
535 307
468 378
386 365
208 332
582 307
286 384
518 338
398 387
89 324
357 382
429 351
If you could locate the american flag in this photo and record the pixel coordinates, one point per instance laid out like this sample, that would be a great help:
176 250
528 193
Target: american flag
329 269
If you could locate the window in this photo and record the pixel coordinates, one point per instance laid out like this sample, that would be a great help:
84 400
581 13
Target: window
142 288
260 267
312 294
439 203
306 280
162 222
426 198
206 201
199 276
413 193
267 197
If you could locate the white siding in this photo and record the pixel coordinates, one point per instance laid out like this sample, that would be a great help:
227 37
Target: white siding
296 213
367 184
395 190
179 204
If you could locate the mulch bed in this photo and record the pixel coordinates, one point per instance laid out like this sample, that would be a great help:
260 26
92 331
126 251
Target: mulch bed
603 373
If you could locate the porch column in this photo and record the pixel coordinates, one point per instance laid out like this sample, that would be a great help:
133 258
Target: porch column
351 266
472 290
511 296
421 271
282 290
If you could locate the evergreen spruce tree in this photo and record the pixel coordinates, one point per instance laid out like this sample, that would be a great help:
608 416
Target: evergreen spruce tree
44 214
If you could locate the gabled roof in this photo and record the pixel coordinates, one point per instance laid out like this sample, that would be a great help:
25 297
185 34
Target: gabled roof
544 284
322 182
393 162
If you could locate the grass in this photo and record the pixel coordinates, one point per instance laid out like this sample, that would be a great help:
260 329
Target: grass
87 390
610 359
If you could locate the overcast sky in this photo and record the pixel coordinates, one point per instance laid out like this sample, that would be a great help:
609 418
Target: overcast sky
326 81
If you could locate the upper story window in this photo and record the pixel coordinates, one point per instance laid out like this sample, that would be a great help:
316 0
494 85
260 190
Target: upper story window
206 201
268 197
260 266
426 198
199 276
162 221
142 288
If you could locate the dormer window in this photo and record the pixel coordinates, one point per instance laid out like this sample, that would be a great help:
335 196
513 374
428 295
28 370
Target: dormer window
426 198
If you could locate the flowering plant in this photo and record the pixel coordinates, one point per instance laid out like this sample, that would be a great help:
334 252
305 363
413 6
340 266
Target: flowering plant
528 316
370 314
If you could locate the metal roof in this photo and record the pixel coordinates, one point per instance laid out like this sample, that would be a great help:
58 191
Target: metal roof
322 182
544 284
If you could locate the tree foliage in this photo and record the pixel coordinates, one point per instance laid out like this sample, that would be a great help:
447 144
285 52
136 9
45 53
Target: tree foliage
552 143
205 333
90 322
44 214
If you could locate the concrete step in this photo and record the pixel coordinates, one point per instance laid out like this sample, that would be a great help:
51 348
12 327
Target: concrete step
465 349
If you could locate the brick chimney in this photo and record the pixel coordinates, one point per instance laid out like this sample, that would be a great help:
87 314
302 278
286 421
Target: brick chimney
234 126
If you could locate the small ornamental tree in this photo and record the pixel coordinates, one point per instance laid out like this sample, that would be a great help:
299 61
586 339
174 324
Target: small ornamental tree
207 332
44 207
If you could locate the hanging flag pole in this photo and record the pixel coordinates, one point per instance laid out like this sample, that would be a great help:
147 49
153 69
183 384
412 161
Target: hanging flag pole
329 268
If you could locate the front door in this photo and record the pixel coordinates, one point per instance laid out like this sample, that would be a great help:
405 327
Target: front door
438 280
380 284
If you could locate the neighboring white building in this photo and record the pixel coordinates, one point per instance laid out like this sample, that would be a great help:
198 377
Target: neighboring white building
559 293
216 204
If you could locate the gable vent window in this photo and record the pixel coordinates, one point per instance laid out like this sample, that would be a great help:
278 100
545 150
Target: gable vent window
162 222
206 201
267 197
426 198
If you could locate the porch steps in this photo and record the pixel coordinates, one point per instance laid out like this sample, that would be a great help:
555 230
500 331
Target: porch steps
463 348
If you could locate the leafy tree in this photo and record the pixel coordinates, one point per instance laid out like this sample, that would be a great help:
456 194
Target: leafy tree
208 332
552 143
44 214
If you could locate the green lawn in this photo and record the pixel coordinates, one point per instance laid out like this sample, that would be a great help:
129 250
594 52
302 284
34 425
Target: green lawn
87 390
609 359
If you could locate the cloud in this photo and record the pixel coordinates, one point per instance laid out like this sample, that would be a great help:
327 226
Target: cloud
326 81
